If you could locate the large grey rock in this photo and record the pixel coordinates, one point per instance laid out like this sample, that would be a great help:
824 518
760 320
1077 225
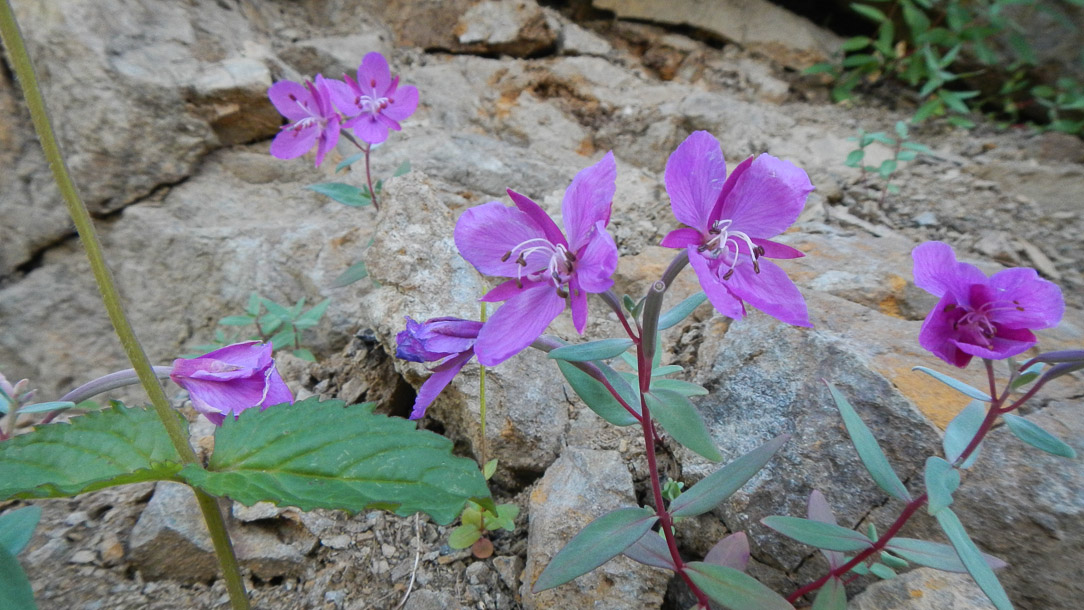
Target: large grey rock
923 589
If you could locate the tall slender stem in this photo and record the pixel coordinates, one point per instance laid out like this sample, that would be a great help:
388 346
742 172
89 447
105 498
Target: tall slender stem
24 71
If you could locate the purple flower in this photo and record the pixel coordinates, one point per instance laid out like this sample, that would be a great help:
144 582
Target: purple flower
232 379
988 317
548 270
729 222
448 341
374 100
313 119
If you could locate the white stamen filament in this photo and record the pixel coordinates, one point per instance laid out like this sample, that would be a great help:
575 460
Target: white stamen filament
729 241
558 270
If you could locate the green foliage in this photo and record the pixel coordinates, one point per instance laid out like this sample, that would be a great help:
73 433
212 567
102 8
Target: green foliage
973 559
17 527
942 480
873 458
1032 434
832 596
14 585
602 349
114 446
602 540
733 589
819 534
682 421
595 395
721 484
477 521
281 325
961 430
903 150
314 454
955 384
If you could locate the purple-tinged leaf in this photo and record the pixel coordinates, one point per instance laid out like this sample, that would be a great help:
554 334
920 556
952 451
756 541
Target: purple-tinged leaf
818 534
596 396
721 484
961 430
731 552
873 458
819 510
935 555
733 589
651 550
602 540
680 418
973 559
832 596
1032 434
941 481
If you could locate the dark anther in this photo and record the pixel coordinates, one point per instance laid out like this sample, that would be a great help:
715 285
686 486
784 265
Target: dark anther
507 255
726 276
561 292
756 266
759 250
522 262
1018 308
519 283
949 308
570 256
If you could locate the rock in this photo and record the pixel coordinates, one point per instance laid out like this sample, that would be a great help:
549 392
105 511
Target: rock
923 589
518 28
432 600
576 40
509 568
257 512
231 96
579 487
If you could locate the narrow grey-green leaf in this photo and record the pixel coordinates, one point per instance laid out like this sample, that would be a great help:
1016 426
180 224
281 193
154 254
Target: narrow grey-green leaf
873 458
942 480
315 454
961 430
955 384
602 540
596 396
651 550
733 589
832 596
41 407
668 369
1032 434
403 168
935 555
347 162
15 590
312 316
355 272
17 527
110 447
818 534
892 561
679 312
345 194
680 418
973 559
685 388
592 350
721 484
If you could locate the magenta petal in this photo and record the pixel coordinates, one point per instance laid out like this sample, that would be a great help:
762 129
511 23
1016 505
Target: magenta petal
597 262
276 392
294 141
343 96
535 211
403 103
368 128
441 377
695 174
227 397
374 76
937 272
777 250
681 238
588 199
292 100
518 323
1006 343
770 291
327 140
937 333
485 233
1025 300
766 198
506 290
577 300
721 298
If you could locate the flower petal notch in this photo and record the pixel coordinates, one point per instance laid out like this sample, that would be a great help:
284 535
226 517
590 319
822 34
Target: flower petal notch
989 317
547 271
730 221
231 379
447 341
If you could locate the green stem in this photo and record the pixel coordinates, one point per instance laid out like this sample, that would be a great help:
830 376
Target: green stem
482 394
24 71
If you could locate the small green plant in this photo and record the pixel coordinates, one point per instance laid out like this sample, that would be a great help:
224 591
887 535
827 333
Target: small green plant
16 529
903 150
478 521
281 325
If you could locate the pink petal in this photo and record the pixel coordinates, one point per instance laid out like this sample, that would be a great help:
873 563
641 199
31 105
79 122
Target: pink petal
517 323
720 297
597 262
770 291
327 140
292 100
938 331
937 272
343 96
766 198
441 377
578 302
506 290
681 238
485 233
368 128
695 174
1032 301
1006 343
276 392
777 250
588 199
403 103
535 211
293 141
374 76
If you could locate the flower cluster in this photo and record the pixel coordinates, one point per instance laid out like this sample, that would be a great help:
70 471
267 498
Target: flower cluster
317 111
232 379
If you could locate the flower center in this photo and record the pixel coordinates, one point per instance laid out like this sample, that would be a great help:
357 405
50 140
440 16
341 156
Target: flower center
725 243
558 269
978 322
371 104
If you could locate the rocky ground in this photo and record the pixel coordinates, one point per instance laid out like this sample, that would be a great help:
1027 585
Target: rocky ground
162 111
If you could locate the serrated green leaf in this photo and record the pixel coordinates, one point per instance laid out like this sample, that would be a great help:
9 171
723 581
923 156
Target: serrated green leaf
42 407
17 528
253 306
314 454
284 338
596 396
942 480
955 384
602 540
280 312
1032 434
973 559
683 422
114 446
906 155
733 589
721 484
15 587
931 107
355 272
888 166
679 312
345 194
347 162
935 555
832 596
819 534
464 536
593 350
961 430
237 320
868 450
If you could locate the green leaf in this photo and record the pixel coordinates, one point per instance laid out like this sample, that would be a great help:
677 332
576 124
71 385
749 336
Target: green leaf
345 194
820 68
860 59
15 587
888 166
464 536
854 159
314 454
870 12
906 155
882 571
955 384
915 146
819 534
1032 434
1027 376
592 350
721 484
680 418
659 371
237 320
868 450
901 129
892 188
685 388
961 430
312 317
506 517
403 168
596 396
856 43
114 446
915 19
41 407
651 550
279 312
254 303
347 162
935 555
832 596
734 589
973 559
489 468
304 354
961 122
932 107
894 562
284 338
681 311
17 527
355 272
602 540
942 480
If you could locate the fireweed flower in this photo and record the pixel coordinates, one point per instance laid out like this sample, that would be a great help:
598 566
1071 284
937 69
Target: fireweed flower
729 222
548 270
447 341
313 119
988 317
374 100
231 379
